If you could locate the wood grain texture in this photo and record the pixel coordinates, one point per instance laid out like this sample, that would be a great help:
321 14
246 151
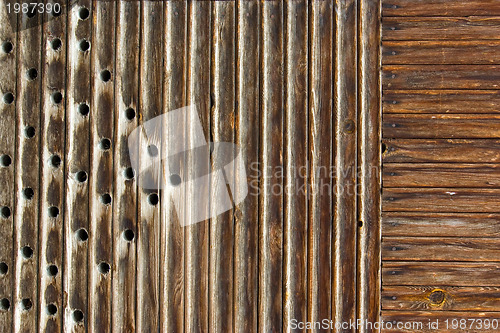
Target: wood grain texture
440 8
126 80
321 155
441 101
441 52
440 151
440 224
466 274
441 28
441 175
442 249
436 298
441 77
52 176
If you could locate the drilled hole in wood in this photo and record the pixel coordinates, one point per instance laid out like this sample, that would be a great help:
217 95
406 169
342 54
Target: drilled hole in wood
8 98
84 45
7 47
55 161
32 74
53 211
152 150
31 11
52 270
83 13
26 304
105 144
56 44
4 304
81 176
128 235
56 13
5 160
130 113
28 193
83 109
103 267
360 224
51 309
106 199
57 97
4 268
29 132
82 235
384 148
5 212
153 199
105 75
128 173
27 252
78 316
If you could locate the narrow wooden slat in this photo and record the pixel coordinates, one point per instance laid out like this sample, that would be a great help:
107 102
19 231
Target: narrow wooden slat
27 190
441 77
442 249
125 184
441 200
439 151
197 238
441 175
8 55
440 273
172 233
320 160
345 217
271 152
441 224
426 321
441 298
247 137
52 191
148 220
441 52
440 8
438 126
101 168
441 101
295 159
77 169
441 28
369 134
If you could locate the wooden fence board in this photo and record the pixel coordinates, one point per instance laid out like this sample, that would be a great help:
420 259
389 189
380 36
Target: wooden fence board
440 8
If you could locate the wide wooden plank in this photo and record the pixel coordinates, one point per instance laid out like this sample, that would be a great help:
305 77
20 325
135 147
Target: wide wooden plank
440 52
436 298
443 249
440 321
440 8
439 126
441 150
441 28
441 76
441 200
441 101
441 175
458 274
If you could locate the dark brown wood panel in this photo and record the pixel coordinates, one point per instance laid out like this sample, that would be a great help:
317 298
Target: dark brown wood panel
440 7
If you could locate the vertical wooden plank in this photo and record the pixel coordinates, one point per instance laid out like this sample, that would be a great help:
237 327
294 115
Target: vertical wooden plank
271 157
345 224
76 224
222 130
101 172
26 254
8 52
52 126
197 235
172 232
150 106
369 131
247 139
296 175
125 185
320 161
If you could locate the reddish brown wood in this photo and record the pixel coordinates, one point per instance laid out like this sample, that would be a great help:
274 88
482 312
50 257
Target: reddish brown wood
440 8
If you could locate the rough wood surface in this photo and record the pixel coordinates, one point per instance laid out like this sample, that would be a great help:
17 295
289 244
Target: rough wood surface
440 7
